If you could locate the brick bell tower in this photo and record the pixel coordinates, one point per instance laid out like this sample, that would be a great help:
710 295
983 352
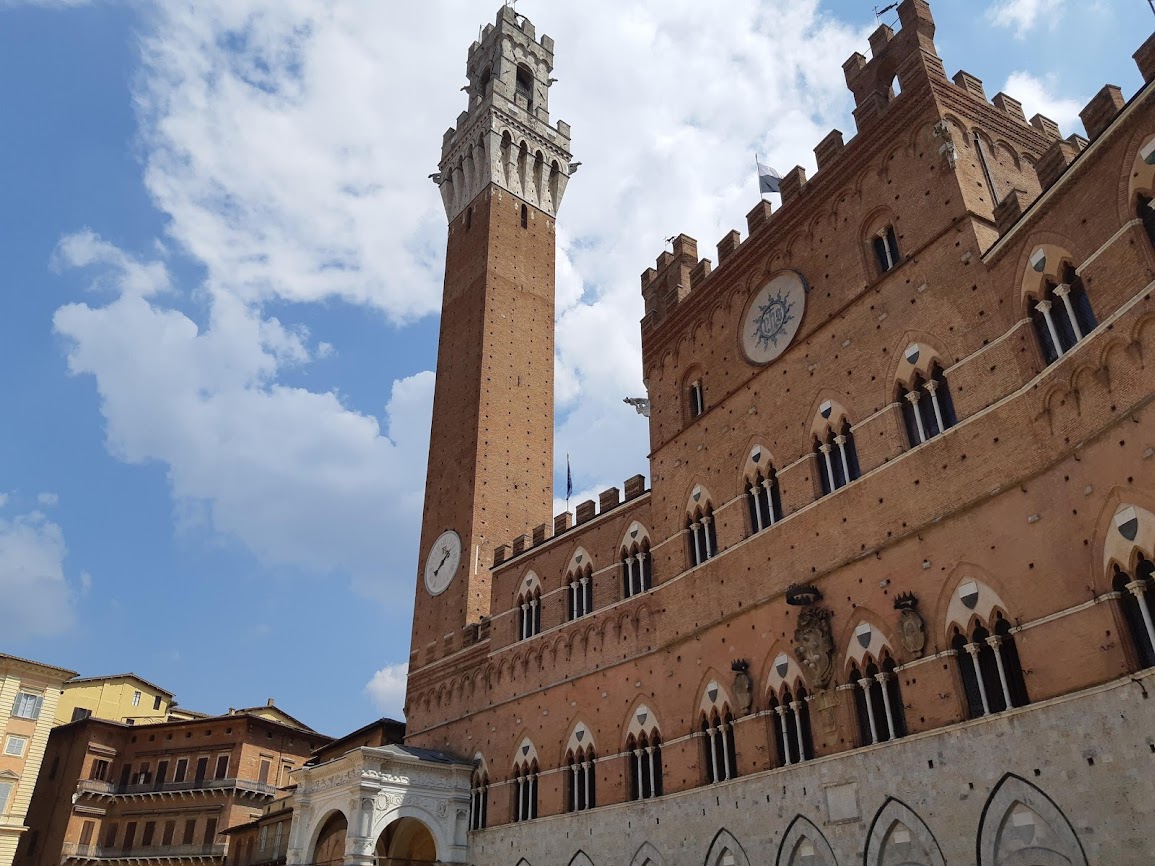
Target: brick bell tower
503 173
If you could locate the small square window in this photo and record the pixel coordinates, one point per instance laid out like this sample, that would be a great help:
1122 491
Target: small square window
27 705
15 746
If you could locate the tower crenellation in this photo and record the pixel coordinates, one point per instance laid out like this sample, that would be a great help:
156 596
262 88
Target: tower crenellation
505 137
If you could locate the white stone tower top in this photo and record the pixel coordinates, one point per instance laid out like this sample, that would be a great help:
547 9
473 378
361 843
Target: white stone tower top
505 137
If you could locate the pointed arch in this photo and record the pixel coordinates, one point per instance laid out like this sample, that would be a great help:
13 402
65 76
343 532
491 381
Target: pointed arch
648 855
724 843
804 839
1022 826
581 858
888 845
970 592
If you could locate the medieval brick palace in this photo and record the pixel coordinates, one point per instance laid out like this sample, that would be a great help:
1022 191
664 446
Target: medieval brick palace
888 598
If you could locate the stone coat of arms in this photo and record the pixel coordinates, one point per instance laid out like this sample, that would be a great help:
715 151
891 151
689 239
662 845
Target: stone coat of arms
814 646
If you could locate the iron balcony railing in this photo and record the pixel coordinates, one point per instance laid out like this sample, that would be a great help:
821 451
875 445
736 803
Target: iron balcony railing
72 850
93 786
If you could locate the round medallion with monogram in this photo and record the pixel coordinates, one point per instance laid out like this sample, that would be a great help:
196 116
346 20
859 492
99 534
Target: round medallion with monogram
772 317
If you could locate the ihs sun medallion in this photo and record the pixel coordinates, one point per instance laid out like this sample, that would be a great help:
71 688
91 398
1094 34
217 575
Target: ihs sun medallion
772 319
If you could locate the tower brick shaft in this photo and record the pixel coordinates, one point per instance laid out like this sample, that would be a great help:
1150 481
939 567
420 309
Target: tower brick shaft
503 173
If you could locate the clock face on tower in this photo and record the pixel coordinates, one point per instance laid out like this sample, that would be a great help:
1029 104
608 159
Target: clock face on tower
443 561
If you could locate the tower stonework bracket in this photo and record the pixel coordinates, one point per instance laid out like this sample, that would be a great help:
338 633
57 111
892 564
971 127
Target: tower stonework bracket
505 137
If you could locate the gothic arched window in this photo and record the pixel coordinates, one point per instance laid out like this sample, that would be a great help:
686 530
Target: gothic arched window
1062 316
791 719
529 613
525 790
720 759
581 779
580 592
703 539
763 499
645 757
479 800
637 569
878 701
837 458
927 408
990 669
1136 596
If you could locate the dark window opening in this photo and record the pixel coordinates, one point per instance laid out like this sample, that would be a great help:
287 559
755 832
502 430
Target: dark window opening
1146 212
886 250
524 87
524 217
697 398
1135 595
80 713
202 769
222 770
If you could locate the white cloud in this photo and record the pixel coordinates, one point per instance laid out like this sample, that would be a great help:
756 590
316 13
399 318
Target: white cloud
38 601
1025 15
48 500
1038 97
387 690
295 475
289 143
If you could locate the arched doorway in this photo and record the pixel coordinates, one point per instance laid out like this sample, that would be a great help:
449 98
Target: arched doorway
330 848
406 841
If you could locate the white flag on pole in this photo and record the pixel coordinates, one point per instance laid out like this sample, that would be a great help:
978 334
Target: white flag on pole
768 179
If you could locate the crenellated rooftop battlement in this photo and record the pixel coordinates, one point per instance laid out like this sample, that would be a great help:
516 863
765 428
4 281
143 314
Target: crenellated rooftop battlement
906 56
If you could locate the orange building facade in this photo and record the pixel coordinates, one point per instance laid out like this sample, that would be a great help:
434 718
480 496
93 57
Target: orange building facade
158 794
889 597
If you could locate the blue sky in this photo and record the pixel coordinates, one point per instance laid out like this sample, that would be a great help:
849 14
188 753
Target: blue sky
220 262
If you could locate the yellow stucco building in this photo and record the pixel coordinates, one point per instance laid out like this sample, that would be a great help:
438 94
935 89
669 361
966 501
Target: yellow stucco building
29 696
119 698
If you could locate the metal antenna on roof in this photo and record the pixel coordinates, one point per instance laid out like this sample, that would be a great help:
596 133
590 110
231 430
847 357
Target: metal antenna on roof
879 12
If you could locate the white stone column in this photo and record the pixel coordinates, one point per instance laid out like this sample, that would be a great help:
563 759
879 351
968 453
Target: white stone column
781 711
865 684
883 678
712 732
725 752
932 389
825 449
650 750
768 486
796 706
912 399
840 441
588 772
706 521
756 495
973 650
574 767
995 642
1044 307
697 543
1138 588
1064 292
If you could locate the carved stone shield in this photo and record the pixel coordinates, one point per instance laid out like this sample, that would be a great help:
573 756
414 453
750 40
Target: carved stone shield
912 631
814 645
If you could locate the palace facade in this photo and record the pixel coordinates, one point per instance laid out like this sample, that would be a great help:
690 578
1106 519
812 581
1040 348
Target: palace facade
888 598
